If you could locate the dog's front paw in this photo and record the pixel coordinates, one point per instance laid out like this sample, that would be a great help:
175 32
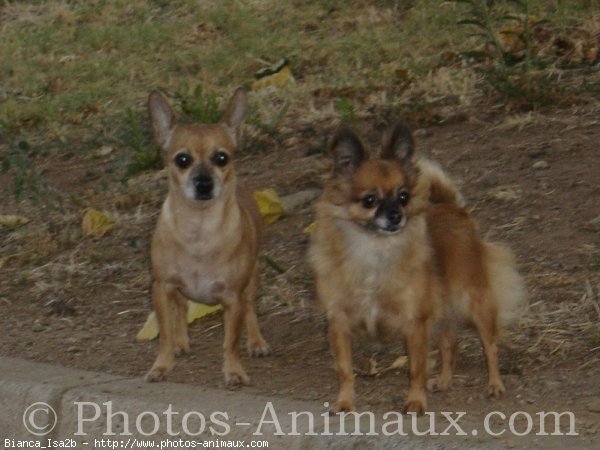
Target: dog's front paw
342 405
236 379
258 349
234 375
156 374
162 366
182 348
496 389
416 403
440 383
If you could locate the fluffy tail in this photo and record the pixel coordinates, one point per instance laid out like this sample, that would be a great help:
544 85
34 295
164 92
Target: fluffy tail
436 186
508 287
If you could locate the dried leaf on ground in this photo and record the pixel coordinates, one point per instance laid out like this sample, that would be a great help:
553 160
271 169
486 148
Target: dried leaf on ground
195 311
198 310
97 223
269 205
311 228
280 74
11 221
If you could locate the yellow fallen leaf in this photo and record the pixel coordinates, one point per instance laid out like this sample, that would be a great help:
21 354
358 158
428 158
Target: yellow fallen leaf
97 223
279 79
198 310
9 220
150 329
278 75
311 228
195 311
269 205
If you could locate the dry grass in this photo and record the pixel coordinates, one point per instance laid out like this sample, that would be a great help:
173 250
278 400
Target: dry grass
73 69
75 78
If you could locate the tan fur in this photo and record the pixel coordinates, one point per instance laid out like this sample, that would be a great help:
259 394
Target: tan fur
204 250
434 186
435 271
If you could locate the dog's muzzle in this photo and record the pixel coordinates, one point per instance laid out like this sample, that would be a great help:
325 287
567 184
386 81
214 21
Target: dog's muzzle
389 219
204 186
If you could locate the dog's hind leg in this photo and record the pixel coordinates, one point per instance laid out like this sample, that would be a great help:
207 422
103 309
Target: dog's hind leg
417 348
484 317
164 298
256 344
447 347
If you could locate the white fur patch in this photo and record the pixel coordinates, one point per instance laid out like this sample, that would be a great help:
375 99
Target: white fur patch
189 190
372 251
507 285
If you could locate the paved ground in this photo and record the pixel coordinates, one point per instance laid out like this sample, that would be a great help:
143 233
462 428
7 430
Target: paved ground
94 410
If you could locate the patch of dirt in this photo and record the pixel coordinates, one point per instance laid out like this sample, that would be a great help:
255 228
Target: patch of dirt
533 184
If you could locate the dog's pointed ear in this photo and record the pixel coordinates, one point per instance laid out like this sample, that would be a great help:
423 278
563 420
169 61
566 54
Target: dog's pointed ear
398 144
236 111
347 150
163 118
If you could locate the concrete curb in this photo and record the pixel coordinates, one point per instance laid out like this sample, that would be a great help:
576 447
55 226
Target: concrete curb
91 406
128 416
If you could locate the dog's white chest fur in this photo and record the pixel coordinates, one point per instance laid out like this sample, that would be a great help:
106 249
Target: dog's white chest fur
371 258
374 256
203 287
199 248
377 276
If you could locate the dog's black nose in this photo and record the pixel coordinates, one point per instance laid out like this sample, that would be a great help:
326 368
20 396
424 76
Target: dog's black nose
394 215
204 185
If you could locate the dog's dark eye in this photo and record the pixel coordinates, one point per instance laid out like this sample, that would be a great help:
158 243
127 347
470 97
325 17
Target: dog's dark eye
369 201
183 160
220 159
403 198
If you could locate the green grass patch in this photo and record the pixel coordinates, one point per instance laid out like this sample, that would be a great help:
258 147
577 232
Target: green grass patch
77 74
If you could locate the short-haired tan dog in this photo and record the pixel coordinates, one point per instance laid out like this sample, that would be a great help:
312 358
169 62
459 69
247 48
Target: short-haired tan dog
206 241
395 252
